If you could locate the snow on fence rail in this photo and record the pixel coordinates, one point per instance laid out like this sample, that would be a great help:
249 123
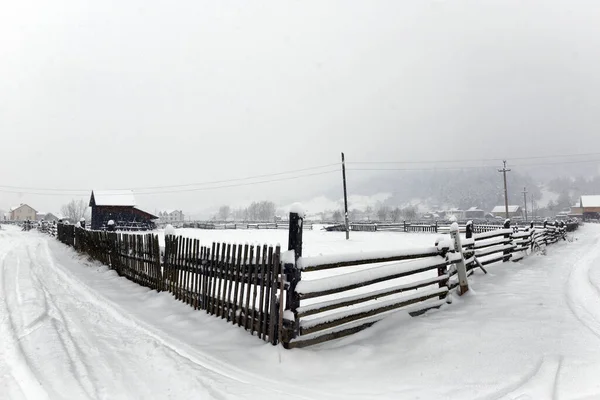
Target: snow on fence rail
416 280
300 301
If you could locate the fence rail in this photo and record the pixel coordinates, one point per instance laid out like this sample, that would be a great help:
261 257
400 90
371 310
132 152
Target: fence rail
284 298
323 309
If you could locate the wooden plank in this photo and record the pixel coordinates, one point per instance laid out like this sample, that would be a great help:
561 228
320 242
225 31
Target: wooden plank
197 267
186 270
205 277
373 281
255 287
216 277
248 265
261 311
267 278
374 311
213 280
374 260
360 298
160 276
209 281
223 280
237 280
273 309
231 278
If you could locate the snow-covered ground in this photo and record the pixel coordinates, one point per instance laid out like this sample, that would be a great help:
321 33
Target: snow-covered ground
74 329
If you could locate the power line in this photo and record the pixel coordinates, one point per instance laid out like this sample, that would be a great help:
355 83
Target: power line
472 166
188 190
173 186
475 160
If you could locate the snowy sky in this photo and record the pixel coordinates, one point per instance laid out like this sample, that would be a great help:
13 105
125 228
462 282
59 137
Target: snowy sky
113 94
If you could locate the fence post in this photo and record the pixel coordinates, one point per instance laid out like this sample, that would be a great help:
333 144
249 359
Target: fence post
436 226
461 268
507 252
469 230
404 224
292 277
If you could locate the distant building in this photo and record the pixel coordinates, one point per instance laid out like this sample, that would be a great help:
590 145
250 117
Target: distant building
23 212
474 213
455 212
53 216
590 206
118 206
513 211
170 216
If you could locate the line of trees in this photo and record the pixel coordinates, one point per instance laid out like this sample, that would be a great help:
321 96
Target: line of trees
257 211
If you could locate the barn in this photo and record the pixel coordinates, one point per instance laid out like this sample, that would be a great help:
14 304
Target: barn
513 211
589 206
120 207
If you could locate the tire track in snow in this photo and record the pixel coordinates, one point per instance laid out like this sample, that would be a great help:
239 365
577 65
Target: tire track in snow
582 295
75 355
182 350
541 383
15 358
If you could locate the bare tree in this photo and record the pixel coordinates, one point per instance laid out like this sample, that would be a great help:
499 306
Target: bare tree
224 212
382 213
337 215
396 214
75 210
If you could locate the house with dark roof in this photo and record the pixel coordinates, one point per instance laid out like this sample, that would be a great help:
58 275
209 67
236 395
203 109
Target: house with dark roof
119 206
513 211
474 213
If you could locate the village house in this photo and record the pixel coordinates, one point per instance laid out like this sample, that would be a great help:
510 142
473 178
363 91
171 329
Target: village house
513 211
170 216
474 213
23 212
118 206
589 207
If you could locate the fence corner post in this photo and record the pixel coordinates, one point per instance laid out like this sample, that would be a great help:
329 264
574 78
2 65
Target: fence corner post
293 275
461 268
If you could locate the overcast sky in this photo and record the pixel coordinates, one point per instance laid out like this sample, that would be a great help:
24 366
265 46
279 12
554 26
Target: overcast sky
129 94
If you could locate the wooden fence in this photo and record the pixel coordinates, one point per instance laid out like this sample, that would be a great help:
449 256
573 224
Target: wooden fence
368 286
283 297
242 225
239 283
435 227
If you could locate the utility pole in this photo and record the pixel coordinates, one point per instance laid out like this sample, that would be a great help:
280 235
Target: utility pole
532 209
345 198
504 170
525 201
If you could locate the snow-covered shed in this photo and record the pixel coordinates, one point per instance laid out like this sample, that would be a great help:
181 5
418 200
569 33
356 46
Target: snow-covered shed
513 211
119 206
590 206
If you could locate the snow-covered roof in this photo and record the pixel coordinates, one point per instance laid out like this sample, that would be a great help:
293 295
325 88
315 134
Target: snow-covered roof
590 201
13 208
474 209
501 209
113 198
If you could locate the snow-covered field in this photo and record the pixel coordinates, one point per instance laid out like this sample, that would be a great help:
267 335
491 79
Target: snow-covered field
315 242
74 329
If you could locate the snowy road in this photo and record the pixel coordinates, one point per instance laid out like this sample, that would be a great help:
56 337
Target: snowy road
61 341
71 329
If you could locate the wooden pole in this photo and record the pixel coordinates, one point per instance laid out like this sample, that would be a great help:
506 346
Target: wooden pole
525 201
345 198
461 268
504 170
